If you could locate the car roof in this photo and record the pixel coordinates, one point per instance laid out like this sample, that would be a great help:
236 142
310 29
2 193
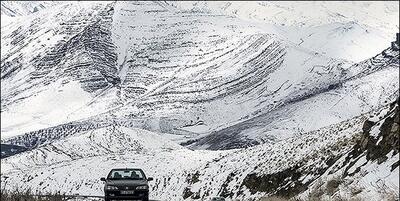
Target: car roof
126 169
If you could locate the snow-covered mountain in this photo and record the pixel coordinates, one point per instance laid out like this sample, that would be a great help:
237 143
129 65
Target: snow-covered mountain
23 8
11 10
285 168
208 97
328 29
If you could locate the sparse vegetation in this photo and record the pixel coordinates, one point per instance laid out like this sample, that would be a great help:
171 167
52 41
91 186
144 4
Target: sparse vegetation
332 185
388 197
317 191
273 198
28 195
355 190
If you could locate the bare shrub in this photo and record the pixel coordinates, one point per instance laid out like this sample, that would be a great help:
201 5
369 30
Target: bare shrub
317 191
332 185
273 198
355 190
27 195
355 199
391 196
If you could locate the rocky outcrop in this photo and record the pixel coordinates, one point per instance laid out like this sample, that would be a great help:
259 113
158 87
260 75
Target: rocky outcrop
396 44
9 150
370 167
376 146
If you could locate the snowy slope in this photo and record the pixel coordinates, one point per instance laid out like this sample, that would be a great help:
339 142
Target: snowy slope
231 173
203 67
332 27
26 79
95 152
13 10
22 8
180 173
354 94
371 168
293 13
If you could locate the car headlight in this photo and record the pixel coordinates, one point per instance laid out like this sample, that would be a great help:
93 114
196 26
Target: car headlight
111 188
142 187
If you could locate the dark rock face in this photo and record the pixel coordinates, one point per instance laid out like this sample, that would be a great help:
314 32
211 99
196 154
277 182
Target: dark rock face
9 150
376 148
396 44
289 182
277 183
389 135
367 126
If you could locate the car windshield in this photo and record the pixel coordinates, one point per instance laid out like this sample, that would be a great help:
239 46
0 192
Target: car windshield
126 174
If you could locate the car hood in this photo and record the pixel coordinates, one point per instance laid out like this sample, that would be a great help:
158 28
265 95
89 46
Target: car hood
126 182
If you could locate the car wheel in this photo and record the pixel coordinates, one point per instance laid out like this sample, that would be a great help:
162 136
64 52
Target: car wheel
107 199
146 198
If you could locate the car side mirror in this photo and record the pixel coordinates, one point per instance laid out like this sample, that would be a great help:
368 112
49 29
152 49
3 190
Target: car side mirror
102 179
150 179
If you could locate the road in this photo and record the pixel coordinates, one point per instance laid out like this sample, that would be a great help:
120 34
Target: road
81 197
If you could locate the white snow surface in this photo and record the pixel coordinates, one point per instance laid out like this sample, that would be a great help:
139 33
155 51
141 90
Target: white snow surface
75 164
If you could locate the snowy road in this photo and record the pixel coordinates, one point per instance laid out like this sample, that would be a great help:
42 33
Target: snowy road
83 197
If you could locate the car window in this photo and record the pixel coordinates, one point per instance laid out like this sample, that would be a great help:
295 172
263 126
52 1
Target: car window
126 174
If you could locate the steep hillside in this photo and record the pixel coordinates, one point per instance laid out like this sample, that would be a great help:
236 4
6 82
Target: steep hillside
23 8
285 168
371 168
101 66
239 173
346 98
